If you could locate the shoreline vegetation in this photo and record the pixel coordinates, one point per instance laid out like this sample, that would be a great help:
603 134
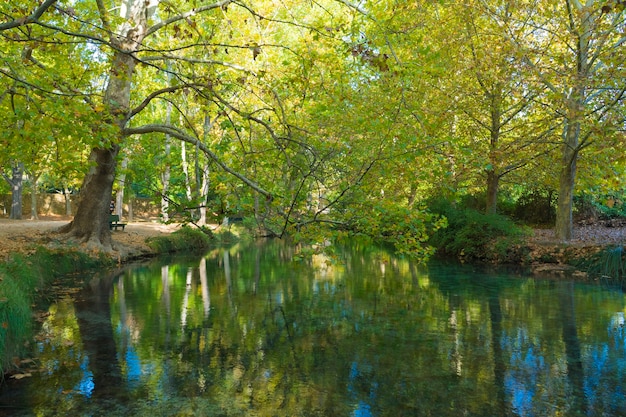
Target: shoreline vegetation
29 271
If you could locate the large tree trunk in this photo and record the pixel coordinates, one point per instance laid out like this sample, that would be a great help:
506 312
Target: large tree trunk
575 107
90 225
567 178
564 224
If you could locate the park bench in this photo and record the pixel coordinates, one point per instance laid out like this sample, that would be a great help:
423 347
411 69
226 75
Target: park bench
114 222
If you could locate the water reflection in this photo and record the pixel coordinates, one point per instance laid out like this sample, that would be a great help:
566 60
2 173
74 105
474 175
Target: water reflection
247 332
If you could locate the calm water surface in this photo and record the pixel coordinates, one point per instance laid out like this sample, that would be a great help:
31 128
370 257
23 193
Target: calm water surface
247 332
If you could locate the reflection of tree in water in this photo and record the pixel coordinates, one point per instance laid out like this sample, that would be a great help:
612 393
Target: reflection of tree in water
93 313
249 333
575 373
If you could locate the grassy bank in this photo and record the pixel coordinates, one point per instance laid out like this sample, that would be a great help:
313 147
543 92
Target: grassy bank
26 278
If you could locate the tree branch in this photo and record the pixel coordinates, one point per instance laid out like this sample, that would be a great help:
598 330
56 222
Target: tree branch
28 19
181 135
183 16
152 96
104 16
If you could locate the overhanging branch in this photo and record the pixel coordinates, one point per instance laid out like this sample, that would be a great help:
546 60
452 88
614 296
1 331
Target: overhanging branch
181 135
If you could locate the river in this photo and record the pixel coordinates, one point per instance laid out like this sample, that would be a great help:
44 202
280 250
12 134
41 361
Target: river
248 331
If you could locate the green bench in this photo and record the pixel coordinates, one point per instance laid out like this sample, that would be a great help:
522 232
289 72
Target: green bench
114 222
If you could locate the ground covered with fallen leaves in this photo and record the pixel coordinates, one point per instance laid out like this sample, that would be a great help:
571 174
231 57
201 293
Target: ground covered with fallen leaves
22 236
589 235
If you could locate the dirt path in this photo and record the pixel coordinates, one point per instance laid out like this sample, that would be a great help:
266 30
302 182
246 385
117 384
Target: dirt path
21 235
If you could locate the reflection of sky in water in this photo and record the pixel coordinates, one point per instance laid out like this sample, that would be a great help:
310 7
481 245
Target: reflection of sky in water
525 374
85 386
363 409
528 379
133 367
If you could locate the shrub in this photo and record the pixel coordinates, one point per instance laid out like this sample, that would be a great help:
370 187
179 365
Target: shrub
603 207
472 235
184 239
536 206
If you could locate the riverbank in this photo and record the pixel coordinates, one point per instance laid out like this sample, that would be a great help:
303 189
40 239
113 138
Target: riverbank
23 236
33 257
540 251
589 255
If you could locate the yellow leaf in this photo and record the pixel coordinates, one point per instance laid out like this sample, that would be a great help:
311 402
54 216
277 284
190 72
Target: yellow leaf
20 376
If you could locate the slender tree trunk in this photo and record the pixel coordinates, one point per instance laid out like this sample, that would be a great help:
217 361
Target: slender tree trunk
121 180
493 180
493 177
165 180
165 176
185 163
67 195
17 182
204 191
204 187
33 198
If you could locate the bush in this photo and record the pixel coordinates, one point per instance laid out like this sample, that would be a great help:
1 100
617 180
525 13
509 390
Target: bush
184 239
472 235
604 207
536 207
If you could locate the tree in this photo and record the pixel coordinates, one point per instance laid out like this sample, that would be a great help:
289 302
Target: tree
497 116
15 182
574 49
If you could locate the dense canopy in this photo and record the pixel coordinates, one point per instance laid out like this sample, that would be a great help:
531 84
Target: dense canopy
309 118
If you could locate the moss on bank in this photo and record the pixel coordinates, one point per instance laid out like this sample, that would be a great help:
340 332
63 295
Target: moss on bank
26 279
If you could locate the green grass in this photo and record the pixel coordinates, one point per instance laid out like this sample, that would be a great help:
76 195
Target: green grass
609 264
184 239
